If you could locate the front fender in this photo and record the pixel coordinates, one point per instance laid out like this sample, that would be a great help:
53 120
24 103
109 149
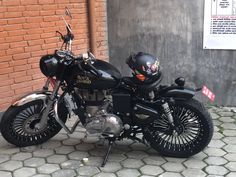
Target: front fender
37 95
182 93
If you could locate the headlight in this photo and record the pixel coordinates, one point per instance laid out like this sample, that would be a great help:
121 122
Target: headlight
49 65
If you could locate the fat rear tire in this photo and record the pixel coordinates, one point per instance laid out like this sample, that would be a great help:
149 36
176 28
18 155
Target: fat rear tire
193 114
17 124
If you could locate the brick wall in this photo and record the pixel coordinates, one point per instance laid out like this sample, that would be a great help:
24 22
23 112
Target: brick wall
27 31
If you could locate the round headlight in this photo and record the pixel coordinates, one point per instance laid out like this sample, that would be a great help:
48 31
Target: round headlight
49 65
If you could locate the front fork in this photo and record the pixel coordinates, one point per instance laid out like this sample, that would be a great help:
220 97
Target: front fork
167 112
44 116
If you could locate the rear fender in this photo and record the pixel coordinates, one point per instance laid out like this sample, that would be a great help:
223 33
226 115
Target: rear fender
181 93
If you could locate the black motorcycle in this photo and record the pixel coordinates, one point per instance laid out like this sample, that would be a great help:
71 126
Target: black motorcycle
169 119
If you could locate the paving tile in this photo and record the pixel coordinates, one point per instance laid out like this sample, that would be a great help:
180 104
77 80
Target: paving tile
105 175
214 115
56 158
43 153
24 172
231 166
11 165
216 144
132 163
137 154
217 136
193 163
78 155
229 140
64 149
170 174
226 114
215 161
230 148
231 174
116 157
9 150
48 168
64 173
173 167
51 144
60 137
21 156
227 119
154 160
4 158
71 141
111 167
128 173
216 170
41 175
87 170
151 170
5 174
84 147
230 157
214 152
71 164
229 132
227 126
34 162
193 173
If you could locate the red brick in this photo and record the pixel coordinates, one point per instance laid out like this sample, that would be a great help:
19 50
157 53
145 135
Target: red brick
5 58
4 77
38 76
31 25
7 93
6 70
11 2
21 56
16 21
14 39
7 82
48 35
34 19
33 48
36 42
21 68
23 79
3 9
47 24
16 9
4 65
18 62
33 7
23 90
29 2
3 35
32 37
13 27
18 44
15 51
38 54
16 33
31 13
46 12
4 46
4 89
50 7
12 14
3 22
46 1
17 74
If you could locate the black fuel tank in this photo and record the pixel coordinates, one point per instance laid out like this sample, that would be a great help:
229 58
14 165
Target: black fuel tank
110 77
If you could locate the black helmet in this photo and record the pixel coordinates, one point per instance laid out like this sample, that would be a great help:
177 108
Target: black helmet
49 65
145 66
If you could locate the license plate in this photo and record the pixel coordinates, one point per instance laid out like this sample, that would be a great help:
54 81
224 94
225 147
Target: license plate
208 93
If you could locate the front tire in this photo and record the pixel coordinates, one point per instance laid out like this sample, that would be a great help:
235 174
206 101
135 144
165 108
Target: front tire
18 124
193 133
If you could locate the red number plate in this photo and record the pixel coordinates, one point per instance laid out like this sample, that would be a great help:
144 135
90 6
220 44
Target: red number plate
208 93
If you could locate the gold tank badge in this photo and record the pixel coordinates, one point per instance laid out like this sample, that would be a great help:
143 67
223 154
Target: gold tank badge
83 80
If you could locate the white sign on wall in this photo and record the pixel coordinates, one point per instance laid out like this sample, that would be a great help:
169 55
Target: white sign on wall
220 24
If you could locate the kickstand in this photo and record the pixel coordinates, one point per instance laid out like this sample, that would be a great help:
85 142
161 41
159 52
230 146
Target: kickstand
107 153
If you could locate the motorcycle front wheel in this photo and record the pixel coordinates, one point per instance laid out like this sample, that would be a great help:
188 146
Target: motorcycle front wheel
192 132
18 124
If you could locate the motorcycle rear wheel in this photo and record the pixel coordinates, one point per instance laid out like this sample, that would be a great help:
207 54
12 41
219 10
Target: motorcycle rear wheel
18 124
193 133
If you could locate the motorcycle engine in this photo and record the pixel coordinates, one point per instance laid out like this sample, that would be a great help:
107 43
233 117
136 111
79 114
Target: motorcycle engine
99 120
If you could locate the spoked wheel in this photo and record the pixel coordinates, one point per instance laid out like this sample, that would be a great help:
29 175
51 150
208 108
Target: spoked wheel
19 124
192 132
